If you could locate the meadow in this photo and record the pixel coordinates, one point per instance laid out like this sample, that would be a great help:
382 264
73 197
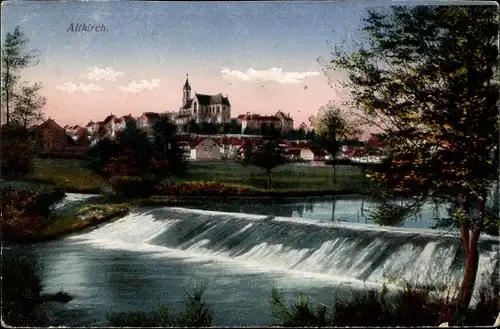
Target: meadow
71 175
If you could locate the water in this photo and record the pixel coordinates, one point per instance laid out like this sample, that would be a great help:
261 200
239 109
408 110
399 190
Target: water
155 255
341 209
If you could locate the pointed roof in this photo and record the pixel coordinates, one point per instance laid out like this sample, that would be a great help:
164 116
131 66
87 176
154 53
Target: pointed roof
186 84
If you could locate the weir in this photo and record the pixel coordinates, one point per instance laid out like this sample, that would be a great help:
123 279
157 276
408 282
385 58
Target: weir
361 252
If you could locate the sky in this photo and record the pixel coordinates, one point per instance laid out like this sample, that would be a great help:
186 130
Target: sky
263 55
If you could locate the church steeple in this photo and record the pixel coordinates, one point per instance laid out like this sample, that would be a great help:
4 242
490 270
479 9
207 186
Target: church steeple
186 85
186 91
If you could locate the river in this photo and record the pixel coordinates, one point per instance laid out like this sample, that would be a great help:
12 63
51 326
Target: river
155 255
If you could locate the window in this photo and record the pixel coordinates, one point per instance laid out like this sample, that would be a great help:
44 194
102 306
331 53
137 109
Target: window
195 107
208 148
218 109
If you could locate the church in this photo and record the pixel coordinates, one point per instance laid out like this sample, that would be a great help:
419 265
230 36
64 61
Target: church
203 108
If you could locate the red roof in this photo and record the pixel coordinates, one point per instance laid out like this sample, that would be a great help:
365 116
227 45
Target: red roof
258 117
200 139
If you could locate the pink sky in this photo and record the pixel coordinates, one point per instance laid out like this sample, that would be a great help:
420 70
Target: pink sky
263 55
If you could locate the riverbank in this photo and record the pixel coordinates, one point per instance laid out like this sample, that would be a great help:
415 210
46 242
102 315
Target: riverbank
59 226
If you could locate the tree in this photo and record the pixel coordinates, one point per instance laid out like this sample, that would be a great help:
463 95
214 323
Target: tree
270 132
191 127
332 127
268 157
28 105
168 158
234 127
426 79
14 58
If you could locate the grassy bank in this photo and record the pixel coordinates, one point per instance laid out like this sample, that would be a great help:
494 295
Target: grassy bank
88 215
288 180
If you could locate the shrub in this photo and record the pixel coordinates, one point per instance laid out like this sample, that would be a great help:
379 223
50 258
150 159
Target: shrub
413 305
133 186
17 153
204 188
25 212
196 313
140 319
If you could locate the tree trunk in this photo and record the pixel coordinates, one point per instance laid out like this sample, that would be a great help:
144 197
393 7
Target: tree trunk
334 175
469 239
334 205
7 95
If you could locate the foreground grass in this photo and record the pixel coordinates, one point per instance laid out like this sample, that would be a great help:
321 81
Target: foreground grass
413 305
70 175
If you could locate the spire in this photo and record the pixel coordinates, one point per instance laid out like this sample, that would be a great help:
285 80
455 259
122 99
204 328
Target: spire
186 85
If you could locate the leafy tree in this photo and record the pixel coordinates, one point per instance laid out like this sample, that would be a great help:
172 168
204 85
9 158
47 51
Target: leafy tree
18 147
233 127
14 58
426 79
268 157
168 157
208 128
18 151
332 127
269 131
28 105
191 127
101 154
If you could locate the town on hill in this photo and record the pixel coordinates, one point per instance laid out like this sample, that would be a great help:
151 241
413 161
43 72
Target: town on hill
207 132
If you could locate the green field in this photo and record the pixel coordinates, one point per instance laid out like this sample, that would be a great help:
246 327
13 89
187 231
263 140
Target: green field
71 175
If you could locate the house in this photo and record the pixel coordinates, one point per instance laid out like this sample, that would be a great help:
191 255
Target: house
255 121
109 122
303 126
51 137
148 119
203 108
280 121
286 120
313 154
205 148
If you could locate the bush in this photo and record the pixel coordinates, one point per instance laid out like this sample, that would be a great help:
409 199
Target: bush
196 313
25 212
133 186
204 188
411 306
17 153
139 319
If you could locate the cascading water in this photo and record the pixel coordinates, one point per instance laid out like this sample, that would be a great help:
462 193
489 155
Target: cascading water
360 252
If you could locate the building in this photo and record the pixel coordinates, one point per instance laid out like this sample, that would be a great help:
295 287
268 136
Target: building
205 148
280 121
51 137
203 108
286 120
313 154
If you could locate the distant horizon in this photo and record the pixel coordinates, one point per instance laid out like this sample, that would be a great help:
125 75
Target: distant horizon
264 56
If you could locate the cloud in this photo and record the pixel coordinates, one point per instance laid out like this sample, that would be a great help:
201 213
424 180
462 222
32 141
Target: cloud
73 87
107 74
135 87
272 74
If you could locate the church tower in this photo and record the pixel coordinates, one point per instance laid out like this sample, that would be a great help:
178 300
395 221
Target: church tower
186 92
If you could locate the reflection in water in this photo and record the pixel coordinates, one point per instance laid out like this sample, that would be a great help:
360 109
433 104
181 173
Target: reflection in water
340 209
